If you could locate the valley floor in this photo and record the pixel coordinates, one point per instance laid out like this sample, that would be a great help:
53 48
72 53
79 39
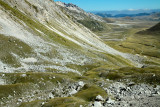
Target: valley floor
124 37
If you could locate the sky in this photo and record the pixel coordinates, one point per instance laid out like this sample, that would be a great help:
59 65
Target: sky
102 5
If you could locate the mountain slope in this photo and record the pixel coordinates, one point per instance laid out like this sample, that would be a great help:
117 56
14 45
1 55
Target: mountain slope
45 54
89 20
78 13
59 39
155 30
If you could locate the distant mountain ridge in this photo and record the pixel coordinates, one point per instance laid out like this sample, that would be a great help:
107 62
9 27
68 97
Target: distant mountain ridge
124 13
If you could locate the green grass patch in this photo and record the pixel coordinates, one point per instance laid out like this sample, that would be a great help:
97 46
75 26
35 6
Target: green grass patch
11 45
13 90
89 92
36 103
110 75
118 60
56 102
31 77
149 75
65 102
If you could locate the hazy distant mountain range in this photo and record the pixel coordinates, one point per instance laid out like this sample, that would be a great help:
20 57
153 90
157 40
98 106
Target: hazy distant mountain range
124 13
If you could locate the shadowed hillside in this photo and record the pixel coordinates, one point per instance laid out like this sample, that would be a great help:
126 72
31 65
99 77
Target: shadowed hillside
153 30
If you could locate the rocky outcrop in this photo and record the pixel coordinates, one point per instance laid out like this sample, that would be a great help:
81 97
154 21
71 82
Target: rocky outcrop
134 95
78 13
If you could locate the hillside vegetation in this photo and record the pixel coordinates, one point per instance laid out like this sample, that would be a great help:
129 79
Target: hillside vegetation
51 58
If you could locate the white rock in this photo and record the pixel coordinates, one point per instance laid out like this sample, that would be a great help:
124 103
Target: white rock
140 65
9 96
97 104
23 75
33 60
81 83
81 106
43 103
19 100
107 80
2 82
100 98
110 101
73 91
158 93
51 95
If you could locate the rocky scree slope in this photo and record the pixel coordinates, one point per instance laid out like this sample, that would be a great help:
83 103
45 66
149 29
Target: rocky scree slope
40 33
89 20
44 54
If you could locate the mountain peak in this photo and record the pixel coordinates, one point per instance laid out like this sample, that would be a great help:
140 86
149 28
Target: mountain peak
70 6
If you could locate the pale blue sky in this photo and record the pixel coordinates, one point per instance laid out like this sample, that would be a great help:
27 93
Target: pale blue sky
91 5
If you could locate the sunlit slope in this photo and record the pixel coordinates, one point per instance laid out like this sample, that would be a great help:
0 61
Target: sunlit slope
46 59
42 38
44 54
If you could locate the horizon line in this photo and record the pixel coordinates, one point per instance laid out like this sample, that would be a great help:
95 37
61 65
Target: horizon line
122 10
